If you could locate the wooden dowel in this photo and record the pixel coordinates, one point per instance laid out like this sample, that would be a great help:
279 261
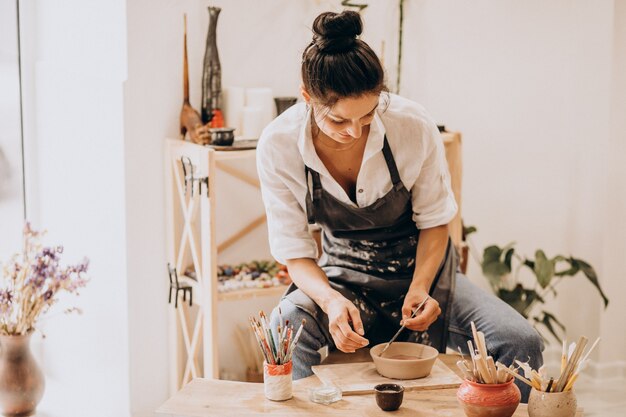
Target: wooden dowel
515 374
571 363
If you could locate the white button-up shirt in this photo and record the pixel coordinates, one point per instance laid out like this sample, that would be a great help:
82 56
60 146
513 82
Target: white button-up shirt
286 146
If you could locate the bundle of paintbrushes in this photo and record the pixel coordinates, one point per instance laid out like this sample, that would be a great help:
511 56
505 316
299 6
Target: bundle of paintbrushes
277 346
482 368
573 361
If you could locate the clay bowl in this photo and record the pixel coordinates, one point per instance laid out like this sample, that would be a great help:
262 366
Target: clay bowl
404 360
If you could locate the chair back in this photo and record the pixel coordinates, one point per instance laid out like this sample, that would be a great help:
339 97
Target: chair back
172 274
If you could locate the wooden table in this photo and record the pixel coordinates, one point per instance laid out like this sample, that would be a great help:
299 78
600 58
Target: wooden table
208 398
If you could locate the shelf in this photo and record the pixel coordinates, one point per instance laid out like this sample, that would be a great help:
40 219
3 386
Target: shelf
250 293
234 295
226 155
177 144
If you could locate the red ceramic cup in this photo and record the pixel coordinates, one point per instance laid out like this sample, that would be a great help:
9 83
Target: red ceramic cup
493 400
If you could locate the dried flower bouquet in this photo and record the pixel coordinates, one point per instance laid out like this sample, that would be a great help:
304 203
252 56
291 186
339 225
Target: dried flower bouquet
32 281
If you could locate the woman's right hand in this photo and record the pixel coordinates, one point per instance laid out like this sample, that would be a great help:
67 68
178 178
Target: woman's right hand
341 312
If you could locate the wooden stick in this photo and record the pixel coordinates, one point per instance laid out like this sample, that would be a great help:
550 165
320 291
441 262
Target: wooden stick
465 370
571 363
590 350
481 359
483 369
564 356
493 372
570 383
473 355
514 374
536 380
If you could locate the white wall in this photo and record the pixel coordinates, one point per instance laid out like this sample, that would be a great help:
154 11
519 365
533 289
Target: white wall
152 100
528 85
614 245
77 176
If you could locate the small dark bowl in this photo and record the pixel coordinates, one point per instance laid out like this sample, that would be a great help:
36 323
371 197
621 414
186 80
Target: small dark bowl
389 396
222 136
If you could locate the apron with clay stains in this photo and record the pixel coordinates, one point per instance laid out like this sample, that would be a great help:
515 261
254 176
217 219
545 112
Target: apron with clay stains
369 256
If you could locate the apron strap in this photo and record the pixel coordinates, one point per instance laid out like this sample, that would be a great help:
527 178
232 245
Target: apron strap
391 164
317 192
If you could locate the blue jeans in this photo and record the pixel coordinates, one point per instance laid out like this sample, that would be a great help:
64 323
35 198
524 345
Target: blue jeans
508 335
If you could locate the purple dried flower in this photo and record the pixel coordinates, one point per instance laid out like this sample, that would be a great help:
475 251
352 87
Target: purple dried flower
6 297
35 278
48 295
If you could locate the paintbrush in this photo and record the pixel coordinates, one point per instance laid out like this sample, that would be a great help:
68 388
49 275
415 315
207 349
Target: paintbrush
395 336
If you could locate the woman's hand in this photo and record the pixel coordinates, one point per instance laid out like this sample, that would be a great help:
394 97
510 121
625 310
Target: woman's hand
426 316
341 312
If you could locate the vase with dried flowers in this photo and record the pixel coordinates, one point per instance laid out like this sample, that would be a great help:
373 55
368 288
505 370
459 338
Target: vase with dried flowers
31 283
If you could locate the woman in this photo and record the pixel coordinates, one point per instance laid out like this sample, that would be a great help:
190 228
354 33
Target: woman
369 168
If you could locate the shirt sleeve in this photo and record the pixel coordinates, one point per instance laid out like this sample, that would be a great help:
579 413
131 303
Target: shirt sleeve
432 197
287 224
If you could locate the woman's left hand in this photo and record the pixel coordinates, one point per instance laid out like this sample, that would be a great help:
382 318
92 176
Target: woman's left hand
426 316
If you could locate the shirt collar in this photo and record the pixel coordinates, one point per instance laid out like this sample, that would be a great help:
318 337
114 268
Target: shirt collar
374 144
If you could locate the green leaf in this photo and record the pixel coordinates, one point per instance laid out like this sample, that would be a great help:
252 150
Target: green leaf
468 230
590 273
549 320
492 254
529 263
508 257
493 267
544 269
571 271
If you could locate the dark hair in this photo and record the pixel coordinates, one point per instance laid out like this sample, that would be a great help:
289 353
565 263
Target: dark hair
336 63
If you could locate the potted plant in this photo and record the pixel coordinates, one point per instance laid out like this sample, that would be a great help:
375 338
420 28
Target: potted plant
31 283
502 265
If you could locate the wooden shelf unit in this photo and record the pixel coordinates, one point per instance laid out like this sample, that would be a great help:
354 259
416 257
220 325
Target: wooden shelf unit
191 237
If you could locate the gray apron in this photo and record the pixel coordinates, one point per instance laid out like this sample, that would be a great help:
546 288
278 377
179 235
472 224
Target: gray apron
369 257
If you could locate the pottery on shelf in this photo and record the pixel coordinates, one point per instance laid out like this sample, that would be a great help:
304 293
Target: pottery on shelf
21 381
488 400
552 404
212 74
222 136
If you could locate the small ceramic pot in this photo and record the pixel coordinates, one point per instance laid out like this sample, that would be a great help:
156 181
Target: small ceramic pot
492 400
222 136
552 404
389 396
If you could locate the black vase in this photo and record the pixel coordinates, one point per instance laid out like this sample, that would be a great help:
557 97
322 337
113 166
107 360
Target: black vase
283 103
212 70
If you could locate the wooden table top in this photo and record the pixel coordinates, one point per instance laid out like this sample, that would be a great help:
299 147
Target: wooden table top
208 398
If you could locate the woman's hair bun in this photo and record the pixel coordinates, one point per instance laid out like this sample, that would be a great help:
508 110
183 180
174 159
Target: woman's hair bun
336 32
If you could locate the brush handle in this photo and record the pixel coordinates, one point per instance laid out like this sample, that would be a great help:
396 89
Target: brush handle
395 336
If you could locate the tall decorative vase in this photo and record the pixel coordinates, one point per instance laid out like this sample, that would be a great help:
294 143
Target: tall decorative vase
21 380
212 75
